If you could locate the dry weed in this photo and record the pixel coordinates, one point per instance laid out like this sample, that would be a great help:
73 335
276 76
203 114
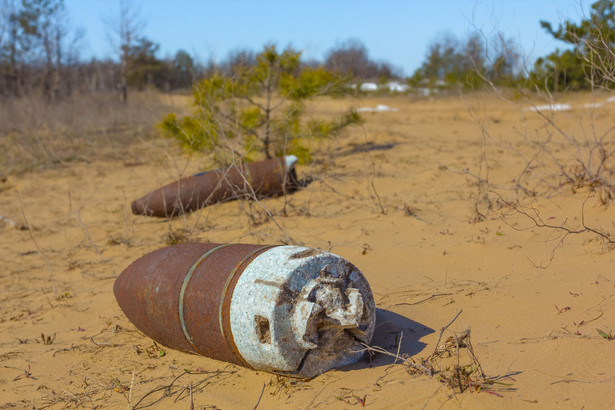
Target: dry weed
35 134
453 363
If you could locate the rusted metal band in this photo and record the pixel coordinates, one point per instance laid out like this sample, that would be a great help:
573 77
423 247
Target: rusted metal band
182 321
247 175
228 281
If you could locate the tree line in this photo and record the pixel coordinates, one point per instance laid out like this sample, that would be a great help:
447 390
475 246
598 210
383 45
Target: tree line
40 53
587 62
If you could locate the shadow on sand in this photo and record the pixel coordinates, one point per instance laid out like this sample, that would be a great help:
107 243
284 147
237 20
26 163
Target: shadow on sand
366 147
387 335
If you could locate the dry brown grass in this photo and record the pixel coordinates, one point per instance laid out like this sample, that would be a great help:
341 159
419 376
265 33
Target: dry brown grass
35 134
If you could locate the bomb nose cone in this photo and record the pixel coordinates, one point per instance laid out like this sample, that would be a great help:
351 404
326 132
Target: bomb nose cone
316 309
138 207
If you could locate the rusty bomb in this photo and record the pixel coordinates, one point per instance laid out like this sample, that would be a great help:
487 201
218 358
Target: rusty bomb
271 177
289 310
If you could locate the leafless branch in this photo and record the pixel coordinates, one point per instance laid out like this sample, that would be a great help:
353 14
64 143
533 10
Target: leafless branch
533 215
443 330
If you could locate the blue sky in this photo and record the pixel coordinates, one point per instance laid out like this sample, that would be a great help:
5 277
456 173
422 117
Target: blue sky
395 31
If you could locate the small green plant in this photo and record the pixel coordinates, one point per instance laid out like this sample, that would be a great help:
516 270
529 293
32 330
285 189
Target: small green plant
177 236
47 340
352 399
607 336
63 296
154 351
118 386
259 110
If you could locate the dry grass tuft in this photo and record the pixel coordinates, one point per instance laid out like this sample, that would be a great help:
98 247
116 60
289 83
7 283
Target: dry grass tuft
35 134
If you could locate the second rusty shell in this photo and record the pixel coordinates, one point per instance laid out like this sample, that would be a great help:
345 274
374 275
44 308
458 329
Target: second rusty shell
264 178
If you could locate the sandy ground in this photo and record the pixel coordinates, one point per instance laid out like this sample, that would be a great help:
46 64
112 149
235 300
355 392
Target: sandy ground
398 199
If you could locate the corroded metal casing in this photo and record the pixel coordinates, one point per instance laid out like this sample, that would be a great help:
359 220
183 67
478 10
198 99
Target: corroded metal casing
264 178
285 309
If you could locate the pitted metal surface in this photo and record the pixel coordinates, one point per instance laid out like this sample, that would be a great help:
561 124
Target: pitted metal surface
174 295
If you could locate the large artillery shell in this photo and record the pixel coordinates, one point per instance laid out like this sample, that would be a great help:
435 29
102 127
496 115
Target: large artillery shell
264 178
285 309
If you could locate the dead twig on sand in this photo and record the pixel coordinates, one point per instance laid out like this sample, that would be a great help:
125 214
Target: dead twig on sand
406 361
76 215
371 188
259 397
132 383
103 344
191 398
534 216
443 330
462 376
171 389
251 194
29 229
458 370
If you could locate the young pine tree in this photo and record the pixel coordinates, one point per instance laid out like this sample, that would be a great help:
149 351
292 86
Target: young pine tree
257 110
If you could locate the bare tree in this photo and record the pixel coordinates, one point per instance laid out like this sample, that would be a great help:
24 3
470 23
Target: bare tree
9 50
124 28
30 32
58 47
4 30
4 21
352 57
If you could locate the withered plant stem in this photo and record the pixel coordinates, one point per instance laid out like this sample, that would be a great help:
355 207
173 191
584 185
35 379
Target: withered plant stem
404 361
443 330
538 222
259 397
376 197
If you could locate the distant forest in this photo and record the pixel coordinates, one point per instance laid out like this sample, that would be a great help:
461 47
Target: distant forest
39 54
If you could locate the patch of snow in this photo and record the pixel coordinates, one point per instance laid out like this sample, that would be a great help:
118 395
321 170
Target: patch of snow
550 107
397 87
393 86
426 91
378 108
369 87
593 105
567 107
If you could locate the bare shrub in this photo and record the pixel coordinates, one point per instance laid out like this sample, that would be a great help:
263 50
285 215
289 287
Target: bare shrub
560 147
567 149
